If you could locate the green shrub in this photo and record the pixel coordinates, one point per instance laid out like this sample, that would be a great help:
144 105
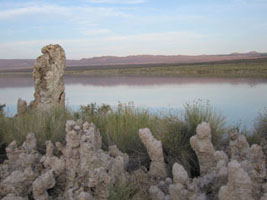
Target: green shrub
200 111
45 125
120 126
259 133
122 192
178 131
2 110
261 124
176 145
2 134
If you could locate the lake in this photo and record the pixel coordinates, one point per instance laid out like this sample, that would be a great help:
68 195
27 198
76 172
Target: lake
239 100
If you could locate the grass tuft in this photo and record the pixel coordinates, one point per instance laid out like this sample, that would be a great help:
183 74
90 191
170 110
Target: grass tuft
45 125
260 129
261 124
123 192
200 111
120 126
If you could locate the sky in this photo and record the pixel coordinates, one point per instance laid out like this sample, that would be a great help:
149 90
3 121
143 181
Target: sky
89 28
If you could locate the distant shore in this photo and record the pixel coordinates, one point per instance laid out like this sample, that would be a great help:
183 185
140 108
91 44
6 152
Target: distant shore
253 68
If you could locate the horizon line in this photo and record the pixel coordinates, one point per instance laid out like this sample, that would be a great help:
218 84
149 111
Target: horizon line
164 55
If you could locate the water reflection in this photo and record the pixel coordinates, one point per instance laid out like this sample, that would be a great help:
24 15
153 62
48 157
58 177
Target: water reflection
26 80
239 100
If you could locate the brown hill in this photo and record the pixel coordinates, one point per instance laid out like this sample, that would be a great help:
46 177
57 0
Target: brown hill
15 64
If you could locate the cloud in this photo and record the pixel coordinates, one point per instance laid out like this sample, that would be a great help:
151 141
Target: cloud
96 32
120 45
118 1
166 43
56 10
95 29
17 12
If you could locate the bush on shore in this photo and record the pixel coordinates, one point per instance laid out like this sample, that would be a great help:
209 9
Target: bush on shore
261 124
260 129
45 125
120 126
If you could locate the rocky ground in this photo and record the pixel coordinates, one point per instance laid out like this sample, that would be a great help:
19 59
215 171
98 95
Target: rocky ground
80 169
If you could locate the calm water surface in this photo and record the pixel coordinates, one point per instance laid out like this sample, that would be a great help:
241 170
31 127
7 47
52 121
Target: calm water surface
240 100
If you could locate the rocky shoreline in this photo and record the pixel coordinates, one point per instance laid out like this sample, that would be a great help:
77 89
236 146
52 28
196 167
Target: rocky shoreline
79 169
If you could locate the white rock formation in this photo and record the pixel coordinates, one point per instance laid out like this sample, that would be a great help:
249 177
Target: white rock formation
48 78
115 152
239 185
178 190
264 149
100 181
154 148
219 180
256 168
13 197
21 106
117 173
82 171
42 184
156 193
183 187
179 174
18 183
251 159
201 144
85 196
239 146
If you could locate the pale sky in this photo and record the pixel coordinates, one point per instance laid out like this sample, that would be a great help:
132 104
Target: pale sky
88 28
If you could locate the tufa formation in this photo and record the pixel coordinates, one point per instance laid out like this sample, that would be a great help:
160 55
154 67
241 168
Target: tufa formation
243 176
81 170
48 80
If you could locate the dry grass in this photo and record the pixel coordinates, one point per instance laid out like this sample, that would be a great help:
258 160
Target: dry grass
120 126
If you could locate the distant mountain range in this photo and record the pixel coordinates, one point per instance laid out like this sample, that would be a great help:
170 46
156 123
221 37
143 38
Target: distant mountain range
16 64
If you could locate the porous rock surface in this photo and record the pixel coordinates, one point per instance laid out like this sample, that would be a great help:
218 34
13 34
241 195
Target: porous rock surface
239 146
115 152
21 106
48 78
239 185
264 149
155 152
82 170
252 160
243 176
201 144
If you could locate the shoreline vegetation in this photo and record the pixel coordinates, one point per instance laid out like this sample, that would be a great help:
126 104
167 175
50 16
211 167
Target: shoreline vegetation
85 136
120 126
254 68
